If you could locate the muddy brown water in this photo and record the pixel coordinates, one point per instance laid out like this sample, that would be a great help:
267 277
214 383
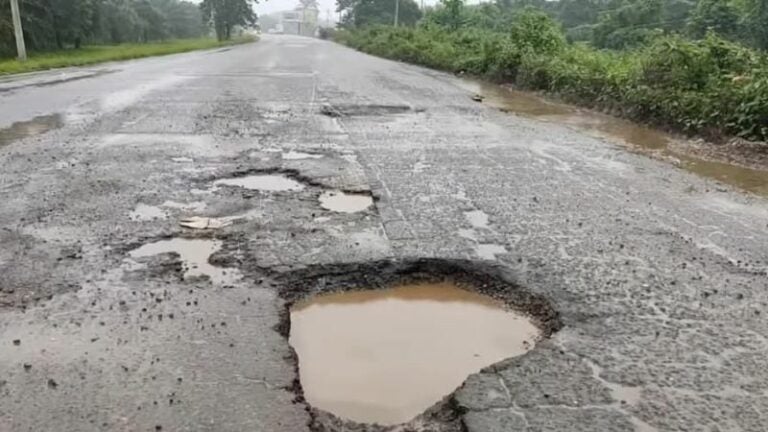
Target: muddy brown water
344 203
24 129
640 138
385 356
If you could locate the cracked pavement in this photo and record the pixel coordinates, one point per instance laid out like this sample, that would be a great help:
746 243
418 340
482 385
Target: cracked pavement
660 276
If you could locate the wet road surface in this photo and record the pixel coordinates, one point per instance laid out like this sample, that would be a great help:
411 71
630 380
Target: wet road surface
659 274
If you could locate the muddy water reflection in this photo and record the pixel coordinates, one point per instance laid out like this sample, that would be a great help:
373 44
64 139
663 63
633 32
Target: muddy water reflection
385 356
24 129
640 138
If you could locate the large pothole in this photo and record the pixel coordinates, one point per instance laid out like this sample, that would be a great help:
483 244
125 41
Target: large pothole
383 342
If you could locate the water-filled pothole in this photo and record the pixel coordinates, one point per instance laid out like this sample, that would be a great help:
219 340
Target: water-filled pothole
296 155
385 356
144 212
350 110
343 202
262 182
194 254
36 126
385 341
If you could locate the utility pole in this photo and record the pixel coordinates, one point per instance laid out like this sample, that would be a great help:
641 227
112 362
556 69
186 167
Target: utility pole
397 11
18 32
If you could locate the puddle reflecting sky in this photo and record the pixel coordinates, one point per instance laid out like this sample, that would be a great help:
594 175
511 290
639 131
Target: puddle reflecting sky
345 203
263 182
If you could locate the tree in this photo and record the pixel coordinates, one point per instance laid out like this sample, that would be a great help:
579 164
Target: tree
361 13
720 16
183 18
633 23
63 24
224 15
535 31
453 9
756 22
574 13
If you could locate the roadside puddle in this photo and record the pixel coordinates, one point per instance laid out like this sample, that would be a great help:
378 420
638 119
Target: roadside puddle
194 254
385 356
643 139
262 182
24 129
345 202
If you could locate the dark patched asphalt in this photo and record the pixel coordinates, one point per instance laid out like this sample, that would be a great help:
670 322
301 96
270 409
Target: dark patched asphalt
659 276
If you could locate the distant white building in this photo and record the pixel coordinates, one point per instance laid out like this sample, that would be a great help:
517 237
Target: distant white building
300 21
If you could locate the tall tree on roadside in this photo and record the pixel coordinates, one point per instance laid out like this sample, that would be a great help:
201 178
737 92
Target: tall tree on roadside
454 9
720 16
224 15
756 21
361 13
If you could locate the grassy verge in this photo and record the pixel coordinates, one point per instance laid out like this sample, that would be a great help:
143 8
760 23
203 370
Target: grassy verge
711 87
104 53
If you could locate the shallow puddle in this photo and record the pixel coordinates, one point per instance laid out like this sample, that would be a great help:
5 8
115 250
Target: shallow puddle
345 203
385 356
194 254
144 212
477 218
36 126
489 251
196 206
294 155
645 139
263 182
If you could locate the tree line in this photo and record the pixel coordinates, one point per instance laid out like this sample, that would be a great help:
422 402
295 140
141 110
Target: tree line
612 24
60 24
696 66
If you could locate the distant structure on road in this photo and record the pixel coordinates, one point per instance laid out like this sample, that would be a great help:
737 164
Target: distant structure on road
302 20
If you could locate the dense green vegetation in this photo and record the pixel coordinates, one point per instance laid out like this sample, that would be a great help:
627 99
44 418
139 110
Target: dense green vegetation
696 67
361 13
56 25
102 53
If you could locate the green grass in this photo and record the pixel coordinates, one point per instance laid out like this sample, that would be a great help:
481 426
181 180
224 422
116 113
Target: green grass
103 53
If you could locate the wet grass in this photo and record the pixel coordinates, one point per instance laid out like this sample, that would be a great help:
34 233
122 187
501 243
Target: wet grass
103 53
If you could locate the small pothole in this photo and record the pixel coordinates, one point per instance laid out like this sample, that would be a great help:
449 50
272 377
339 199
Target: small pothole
296 155
382 342
343 202
262 182
194 255
24 129
350 110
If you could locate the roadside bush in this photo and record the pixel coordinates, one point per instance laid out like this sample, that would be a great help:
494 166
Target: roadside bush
709 86
535 31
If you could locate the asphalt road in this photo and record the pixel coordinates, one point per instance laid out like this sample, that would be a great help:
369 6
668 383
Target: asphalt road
659 276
